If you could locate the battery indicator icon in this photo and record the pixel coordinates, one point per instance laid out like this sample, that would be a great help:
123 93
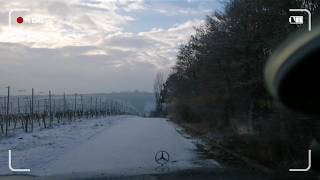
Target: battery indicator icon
296 19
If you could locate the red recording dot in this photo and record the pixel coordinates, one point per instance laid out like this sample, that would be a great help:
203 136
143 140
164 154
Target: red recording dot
19 20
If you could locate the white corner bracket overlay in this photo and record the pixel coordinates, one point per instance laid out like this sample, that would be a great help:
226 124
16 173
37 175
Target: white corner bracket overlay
307 168
13 169
304 10
12 11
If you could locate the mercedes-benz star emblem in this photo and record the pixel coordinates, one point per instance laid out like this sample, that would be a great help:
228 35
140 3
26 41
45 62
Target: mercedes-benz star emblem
162 157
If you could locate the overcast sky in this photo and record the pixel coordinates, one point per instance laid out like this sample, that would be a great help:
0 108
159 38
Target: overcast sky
89 46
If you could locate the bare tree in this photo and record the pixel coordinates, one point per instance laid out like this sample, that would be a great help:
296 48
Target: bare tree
158 87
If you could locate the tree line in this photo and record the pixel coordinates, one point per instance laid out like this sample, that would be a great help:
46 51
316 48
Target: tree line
218 81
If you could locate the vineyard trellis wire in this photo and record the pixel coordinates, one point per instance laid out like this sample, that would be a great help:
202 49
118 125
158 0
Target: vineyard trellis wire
23 111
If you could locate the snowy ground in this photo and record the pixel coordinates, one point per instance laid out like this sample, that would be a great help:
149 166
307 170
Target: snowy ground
117 145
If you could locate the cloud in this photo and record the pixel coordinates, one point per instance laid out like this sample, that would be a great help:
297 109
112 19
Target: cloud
174 35
66 23
114 5
183 11
157 47
82 46
65 70
183 7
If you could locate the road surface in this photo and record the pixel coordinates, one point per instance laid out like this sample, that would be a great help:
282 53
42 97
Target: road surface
126 147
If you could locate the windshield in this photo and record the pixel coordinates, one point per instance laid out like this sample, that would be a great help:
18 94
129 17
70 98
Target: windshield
131 87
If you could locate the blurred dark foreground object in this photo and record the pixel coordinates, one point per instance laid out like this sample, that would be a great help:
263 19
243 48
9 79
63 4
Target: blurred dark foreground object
292 76
293 72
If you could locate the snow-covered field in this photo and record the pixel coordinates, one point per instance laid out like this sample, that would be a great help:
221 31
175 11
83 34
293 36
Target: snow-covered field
117 145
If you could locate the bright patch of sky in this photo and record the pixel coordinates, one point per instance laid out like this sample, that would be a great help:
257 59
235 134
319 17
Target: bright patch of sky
94 45
167 13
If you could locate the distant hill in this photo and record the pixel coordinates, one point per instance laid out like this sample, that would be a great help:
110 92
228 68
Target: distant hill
144 102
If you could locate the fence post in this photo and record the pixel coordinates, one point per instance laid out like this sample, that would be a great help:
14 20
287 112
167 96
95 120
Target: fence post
75 105
32 102
50 110
81 103
18 105
7 110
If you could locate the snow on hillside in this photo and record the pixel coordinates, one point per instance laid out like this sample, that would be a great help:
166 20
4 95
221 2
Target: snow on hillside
33 150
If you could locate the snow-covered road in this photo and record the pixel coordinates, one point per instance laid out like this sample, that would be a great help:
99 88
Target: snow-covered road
127 146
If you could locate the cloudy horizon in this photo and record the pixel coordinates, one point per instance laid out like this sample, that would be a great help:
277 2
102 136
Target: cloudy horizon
94 46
